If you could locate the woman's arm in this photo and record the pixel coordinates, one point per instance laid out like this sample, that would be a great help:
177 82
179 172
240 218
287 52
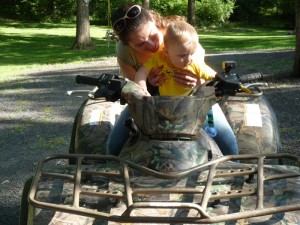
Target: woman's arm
126 70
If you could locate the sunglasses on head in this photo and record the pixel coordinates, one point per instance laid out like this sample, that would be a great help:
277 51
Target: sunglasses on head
133 12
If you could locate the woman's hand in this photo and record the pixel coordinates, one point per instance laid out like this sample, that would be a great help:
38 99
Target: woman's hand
187 79
154 78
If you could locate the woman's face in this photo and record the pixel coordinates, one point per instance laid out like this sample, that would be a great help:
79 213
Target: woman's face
146 38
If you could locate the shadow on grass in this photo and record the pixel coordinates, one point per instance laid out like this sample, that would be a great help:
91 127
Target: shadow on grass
247 43
42 49
27 25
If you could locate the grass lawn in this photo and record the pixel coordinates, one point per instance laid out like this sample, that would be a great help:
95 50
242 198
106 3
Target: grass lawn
29 45
240 37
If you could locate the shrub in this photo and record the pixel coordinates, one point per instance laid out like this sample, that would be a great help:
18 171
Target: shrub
214 11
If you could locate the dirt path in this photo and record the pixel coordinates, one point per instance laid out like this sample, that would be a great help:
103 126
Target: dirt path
37 115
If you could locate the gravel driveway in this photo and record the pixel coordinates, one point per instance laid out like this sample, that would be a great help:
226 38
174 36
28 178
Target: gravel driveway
37 115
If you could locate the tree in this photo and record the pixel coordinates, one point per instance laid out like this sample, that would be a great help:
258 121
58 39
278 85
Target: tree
191 12
296 71
146 4
83 39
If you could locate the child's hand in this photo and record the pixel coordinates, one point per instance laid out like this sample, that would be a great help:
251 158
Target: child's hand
185 79
154 78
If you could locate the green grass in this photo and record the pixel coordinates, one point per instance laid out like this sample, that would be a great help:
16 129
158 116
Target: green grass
53 144
242 37
30 45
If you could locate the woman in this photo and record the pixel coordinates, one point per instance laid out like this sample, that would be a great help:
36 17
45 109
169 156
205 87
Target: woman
140 33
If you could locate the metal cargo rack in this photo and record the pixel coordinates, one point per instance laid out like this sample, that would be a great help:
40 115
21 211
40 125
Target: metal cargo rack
124 171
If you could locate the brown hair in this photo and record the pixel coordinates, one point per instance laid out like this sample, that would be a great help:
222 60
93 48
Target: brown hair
131 24
181 32
162 22
144 17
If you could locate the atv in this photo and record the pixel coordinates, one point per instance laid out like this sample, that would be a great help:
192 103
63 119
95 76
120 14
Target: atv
170 171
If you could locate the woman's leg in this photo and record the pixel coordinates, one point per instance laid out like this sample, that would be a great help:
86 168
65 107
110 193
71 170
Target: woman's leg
225 137
118 135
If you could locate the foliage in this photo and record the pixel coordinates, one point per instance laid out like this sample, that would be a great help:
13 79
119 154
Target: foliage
167 7
99 10
214 11
260 11
8 9
287 12
207 11
46 10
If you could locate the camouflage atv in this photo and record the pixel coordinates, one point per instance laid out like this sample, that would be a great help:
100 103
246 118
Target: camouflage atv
250 116
170 171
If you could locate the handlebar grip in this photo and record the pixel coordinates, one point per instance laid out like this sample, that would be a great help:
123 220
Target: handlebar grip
251 77
87 80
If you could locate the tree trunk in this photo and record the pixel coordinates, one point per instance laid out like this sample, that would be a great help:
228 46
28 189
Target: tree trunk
83 40
191 12
146 4
296 71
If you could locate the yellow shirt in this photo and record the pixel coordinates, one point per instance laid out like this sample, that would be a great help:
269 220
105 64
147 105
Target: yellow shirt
170 87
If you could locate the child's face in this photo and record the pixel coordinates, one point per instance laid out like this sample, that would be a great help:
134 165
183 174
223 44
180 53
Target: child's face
180 55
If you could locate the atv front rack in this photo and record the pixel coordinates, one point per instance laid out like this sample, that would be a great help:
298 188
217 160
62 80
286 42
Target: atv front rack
97 185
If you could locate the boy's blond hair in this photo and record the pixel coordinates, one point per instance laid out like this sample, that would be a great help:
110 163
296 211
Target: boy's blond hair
179 32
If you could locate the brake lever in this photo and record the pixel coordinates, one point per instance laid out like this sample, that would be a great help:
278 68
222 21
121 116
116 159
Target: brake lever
77 92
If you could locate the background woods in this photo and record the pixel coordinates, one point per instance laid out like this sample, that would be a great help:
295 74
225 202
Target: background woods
200 13
206 11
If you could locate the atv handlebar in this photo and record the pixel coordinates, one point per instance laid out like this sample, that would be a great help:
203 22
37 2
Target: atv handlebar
87 80
110 86
235 85
251 77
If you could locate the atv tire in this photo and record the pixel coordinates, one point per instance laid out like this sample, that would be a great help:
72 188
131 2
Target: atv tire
24 202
